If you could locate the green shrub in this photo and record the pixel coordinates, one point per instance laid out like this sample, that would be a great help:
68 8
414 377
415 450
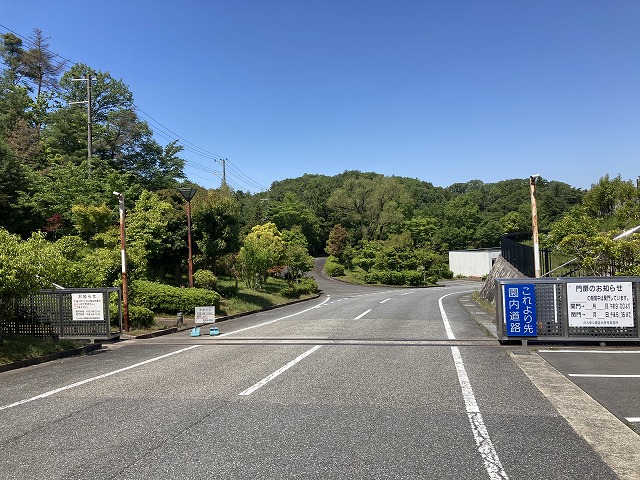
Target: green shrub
390 277
290 291
333 267
413 278
140 317
304 286
307 285
164 298
205 279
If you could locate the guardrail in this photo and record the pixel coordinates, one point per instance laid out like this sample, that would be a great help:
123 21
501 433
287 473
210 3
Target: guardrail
72 313
603 309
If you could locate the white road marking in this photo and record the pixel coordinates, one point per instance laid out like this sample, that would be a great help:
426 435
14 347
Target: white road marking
273 321
633 419
597 375
385 300
93 379
267 379
362 315
490 458
589 351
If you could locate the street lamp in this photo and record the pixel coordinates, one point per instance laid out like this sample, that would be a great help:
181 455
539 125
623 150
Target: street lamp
534 224
123 253
188 194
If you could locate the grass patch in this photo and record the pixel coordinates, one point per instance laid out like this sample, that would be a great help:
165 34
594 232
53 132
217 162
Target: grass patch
243 299
486 306
18 347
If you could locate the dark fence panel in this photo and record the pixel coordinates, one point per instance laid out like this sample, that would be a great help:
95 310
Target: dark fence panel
51 313
521 256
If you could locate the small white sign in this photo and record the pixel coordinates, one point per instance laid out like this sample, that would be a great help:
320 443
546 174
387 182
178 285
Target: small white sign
600 304
205 315
87 306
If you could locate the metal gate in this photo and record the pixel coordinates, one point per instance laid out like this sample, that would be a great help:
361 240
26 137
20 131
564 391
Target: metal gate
73 313
568 309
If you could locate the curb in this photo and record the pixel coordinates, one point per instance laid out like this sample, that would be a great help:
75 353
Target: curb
170 330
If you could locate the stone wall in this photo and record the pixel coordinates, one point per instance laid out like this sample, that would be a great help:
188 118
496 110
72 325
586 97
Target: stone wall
501 269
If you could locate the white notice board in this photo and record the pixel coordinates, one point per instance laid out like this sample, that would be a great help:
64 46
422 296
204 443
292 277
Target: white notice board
205 315
87 306
600 304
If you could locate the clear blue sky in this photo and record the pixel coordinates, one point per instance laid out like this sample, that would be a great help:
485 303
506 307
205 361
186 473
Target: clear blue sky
444 91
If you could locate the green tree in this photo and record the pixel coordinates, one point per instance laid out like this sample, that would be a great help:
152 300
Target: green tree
216 224
291 213
158 228
338 241
369 207
608 195
89 220
296 257
15 191
262 250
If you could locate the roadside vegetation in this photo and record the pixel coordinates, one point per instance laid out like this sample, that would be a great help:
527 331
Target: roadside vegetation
17 347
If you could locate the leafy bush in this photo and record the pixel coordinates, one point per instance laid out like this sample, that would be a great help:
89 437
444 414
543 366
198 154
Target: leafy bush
390 277
205 279
414 278
140 317
333 267
306 285
386 277
168 299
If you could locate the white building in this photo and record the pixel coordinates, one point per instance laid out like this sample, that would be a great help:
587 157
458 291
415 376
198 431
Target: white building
473 263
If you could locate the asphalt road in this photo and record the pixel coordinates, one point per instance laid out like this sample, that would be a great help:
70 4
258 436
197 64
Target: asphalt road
362 382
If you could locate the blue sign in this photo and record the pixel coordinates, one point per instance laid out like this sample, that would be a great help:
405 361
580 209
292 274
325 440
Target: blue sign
520 310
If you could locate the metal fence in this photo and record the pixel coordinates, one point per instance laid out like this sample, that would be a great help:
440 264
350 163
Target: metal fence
72 313
601 309
521 256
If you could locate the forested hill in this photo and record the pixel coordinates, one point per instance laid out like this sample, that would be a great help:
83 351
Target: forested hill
464 215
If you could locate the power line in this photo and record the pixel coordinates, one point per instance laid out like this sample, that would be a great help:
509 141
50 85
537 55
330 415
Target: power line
169 135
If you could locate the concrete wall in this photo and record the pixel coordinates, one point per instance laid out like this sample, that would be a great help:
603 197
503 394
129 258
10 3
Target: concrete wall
473 263
501 269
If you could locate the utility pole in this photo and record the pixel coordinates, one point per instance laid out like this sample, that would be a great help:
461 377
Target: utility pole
88 102
123 252
188 194
534 224
224 171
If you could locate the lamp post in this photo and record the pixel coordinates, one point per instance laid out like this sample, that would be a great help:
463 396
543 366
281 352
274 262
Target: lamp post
123 253
188 194
534 224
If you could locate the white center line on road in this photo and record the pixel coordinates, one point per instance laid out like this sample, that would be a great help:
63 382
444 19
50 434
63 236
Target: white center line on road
93 379
276 320
490 458
597 375
385 300
267 379
362 315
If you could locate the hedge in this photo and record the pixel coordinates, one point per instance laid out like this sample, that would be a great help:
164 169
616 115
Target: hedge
167 299
391 277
